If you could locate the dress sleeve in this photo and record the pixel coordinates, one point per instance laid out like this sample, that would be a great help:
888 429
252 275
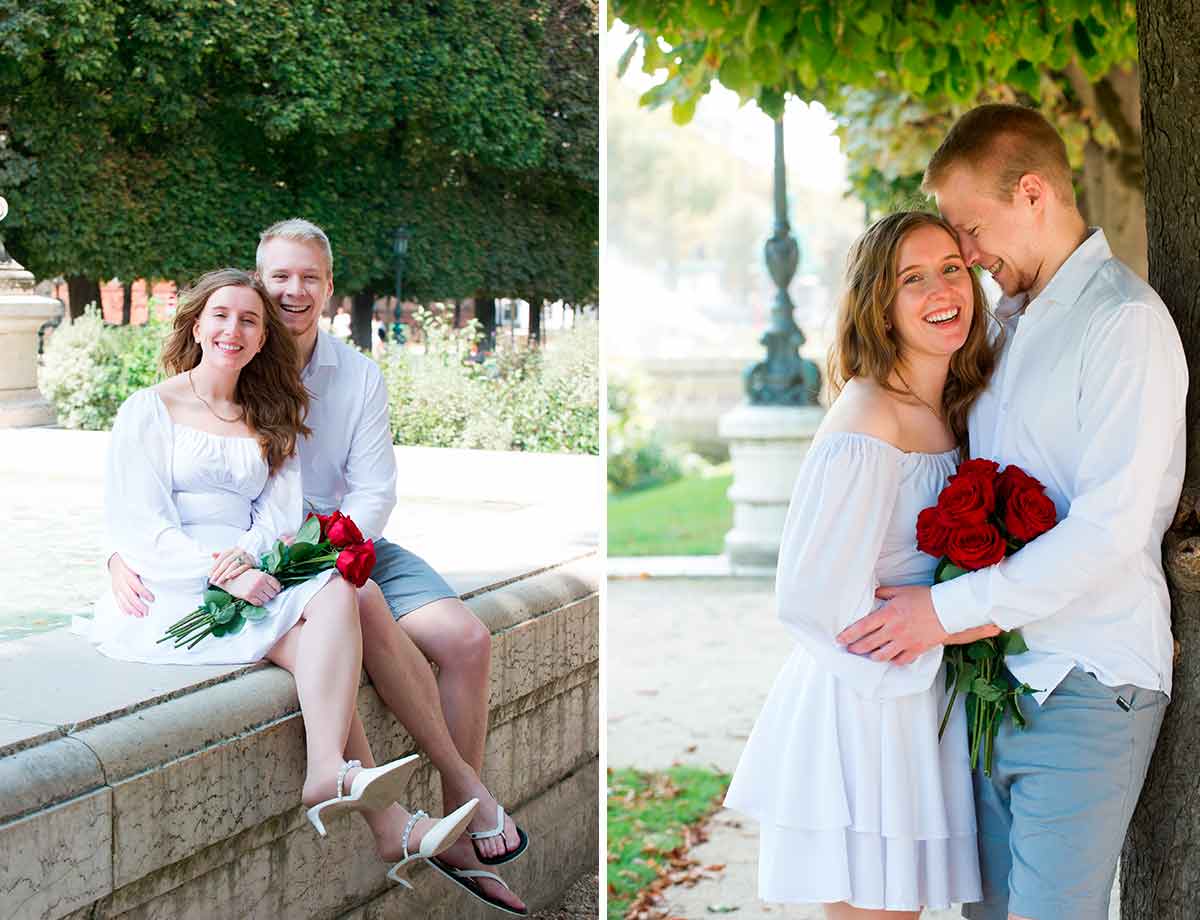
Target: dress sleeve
841 506
139 508
279 508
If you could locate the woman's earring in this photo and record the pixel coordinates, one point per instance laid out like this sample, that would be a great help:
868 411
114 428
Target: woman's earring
887 325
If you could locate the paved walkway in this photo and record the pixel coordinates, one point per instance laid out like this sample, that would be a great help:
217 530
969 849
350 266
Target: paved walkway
689 662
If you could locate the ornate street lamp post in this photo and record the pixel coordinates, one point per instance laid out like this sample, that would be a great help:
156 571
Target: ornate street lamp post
400 250
784 378
769 434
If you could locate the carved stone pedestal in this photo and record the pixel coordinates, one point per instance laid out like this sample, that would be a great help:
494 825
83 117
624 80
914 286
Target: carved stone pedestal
22 312
766 445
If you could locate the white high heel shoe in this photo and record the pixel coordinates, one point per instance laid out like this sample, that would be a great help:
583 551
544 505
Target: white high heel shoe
374 787
439 838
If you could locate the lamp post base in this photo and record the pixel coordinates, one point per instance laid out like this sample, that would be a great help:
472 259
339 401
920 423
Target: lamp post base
767 445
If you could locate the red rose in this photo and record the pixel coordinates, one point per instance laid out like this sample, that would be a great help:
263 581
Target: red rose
975 547
1029 513
976 467
342 531
1011 480
932 532
968 499
355 562
326 521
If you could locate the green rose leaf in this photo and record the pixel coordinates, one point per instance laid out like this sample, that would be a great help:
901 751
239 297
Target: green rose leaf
981 650
946 570
215 596
253 613
986 691
1012 643
302 551
273 559
225 614
234 626
966 677
309 532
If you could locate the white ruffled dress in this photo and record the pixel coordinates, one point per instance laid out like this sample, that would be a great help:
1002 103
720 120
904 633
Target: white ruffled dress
856 799
174 495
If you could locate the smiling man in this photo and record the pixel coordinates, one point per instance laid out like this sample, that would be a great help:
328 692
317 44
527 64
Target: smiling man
1088 396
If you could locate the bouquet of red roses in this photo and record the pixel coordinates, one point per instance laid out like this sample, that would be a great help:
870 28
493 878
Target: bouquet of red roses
981 516
322 542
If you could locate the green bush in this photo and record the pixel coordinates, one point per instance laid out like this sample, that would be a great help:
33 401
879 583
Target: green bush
89 368
636 457
531 399
544 400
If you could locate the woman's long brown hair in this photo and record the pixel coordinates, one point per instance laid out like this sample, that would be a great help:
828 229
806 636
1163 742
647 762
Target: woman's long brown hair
864 346
269 388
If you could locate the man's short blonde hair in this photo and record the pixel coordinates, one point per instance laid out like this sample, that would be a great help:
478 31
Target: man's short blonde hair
298 230
1005 142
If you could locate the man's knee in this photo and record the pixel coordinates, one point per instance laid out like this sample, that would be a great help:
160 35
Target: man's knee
472 638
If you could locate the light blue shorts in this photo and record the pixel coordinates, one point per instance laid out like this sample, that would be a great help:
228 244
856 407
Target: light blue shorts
407 580
1053 815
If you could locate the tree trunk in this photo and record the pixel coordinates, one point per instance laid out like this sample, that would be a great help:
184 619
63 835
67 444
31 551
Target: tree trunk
127 303
80 293
1160 869
535 320
485 312
361 314
1114 180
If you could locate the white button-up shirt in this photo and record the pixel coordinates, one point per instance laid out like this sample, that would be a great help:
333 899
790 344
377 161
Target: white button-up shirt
1088 397
348 462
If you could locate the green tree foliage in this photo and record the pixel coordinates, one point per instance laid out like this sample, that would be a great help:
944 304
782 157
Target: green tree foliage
157 137
894 75
947 49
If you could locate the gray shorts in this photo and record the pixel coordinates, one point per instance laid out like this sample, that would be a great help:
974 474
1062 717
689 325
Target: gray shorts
1053 815
407 580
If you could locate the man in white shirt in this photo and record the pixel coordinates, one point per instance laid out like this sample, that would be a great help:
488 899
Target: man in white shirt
348 464
1088 397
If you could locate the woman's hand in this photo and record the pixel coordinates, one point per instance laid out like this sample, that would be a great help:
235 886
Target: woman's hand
229 565
967 636
253 585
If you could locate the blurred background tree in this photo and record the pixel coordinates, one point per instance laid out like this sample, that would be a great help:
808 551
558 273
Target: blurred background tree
156 138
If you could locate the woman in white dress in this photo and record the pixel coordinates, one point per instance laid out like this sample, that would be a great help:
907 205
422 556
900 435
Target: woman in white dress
204 466
860 808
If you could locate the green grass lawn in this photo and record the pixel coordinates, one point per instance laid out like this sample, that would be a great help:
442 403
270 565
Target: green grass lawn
688 517
647 817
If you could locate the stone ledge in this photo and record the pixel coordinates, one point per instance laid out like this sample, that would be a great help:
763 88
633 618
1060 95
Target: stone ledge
96 816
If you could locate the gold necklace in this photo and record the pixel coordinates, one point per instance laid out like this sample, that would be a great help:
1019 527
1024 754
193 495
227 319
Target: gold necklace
916 397
241 415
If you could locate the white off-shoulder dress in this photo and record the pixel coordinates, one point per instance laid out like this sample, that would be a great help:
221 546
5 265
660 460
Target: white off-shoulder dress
174 495
856 799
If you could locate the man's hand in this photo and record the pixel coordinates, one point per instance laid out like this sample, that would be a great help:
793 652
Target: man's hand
899 631
132 596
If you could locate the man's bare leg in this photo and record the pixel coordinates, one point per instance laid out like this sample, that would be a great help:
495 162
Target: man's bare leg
451 636
405 682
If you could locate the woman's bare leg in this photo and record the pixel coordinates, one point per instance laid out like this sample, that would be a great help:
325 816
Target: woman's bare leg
387 824
327 668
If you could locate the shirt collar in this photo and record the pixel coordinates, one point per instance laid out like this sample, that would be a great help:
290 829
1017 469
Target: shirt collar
1075 273
324 355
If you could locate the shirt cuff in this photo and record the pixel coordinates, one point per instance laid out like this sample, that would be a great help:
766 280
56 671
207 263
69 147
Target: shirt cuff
955 606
